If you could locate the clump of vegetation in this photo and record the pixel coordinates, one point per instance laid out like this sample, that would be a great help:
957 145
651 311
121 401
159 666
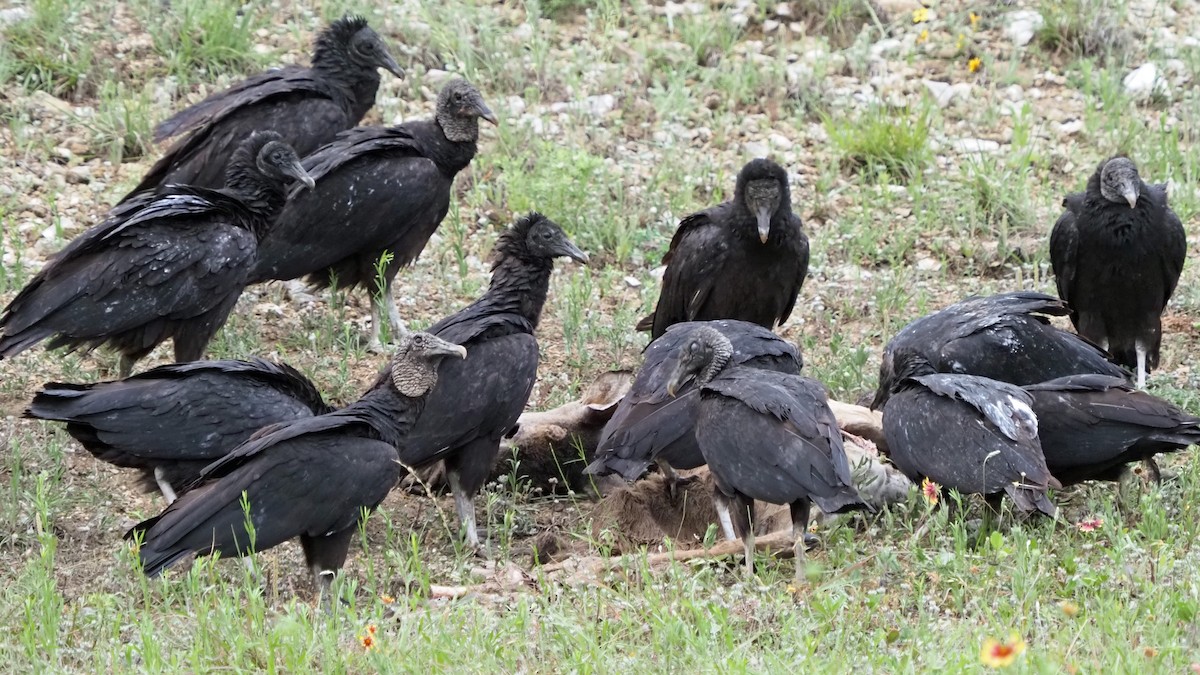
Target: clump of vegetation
1085 29
46 51
840 20
121 128
210 36
882 143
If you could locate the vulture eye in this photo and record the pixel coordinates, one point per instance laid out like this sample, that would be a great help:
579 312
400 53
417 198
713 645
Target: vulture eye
458 96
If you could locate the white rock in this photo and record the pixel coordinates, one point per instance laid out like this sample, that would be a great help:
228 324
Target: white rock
770 26
974 145
595 105
436 77
944 93
885 47
756 149
13 15
632 282
1144 81
516 105
784 9
928 265
1021 25
780 141
1070 128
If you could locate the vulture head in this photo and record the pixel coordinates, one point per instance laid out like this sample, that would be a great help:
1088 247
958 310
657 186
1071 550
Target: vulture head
535 237
704 355
353 41
459 108
762 187
1120 182
414 367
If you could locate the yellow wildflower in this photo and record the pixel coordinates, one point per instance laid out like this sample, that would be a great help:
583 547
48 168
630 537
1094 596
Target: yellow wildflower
920 15
996 654
923 37
974 64
1069 608
962 40
974 21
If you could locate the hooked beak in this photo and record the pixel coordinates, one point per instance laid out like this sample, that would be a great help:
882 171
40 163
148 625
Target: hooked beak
389 64
486 113
443 348
296 170
763 215
569 249
679 376
1130 196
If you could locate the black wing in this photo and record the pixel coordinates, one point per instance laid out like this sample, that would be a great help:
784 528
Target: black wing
1064 247
312 485
1174 241
648 424
694 259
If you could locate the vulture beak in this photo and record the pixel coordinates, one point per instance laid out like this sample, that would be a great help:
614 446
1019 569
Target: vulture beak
569 249
1130 196
442 348
486 113
679 375
763 215
389 64
296 170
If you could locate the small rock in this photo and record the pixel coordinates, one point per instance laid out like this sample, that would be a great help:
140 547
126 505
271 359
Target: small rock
756 149
885 47
436 77
1020 26
13 15
79 175
928 265
972 146
770 26
632 282
1144 81
516 105
1070 128
780 141
784 10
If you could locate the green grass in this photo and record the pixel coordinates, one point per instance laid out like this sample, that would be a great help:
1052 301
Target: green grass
899 222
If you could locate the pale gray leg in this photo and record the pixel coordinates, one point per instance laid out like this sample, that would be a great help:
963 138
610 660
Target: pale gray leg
725 519
671 477
748 541
1140 349
464 504
376 345
163 485
398 327
125 367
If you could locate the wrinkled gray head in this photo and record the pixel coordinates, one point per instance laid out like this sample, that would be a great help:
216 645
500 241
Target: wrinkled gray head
459 107
703 356
762 187
415 365
1120 182
278 160
351 39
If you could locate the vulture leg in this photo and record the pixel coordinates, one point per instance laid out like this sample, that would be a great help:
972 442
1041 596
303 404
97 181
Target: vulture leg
799 509
376 345
125 366
743 523
163 485
1140 349
723 516
382 300
325 555
464 504
671 478
397 324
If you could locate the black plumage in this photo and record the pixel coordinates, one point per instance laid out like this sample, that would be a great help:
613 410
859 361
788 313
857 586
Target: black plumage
765 435
306 106
651 426
1117 252
743 259
310 478
481 397
974 434
379 190
164 265
1091 426
1006 337
172 421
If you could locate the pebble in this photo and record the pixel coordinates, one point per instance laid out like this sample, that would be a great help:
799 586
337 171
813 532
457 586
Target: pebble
780 141
756 149
79 175
1144 81
13 15
1020 26
928 265
632 282
974 145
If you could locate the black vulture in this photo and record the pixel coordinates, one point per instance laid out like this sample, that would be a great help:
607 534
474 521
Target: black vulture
765 435
167 264
311 478
174 420
651 426
1117 251
306 106
481 397
742 259
970 433
1005 337
1091 426
379 190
